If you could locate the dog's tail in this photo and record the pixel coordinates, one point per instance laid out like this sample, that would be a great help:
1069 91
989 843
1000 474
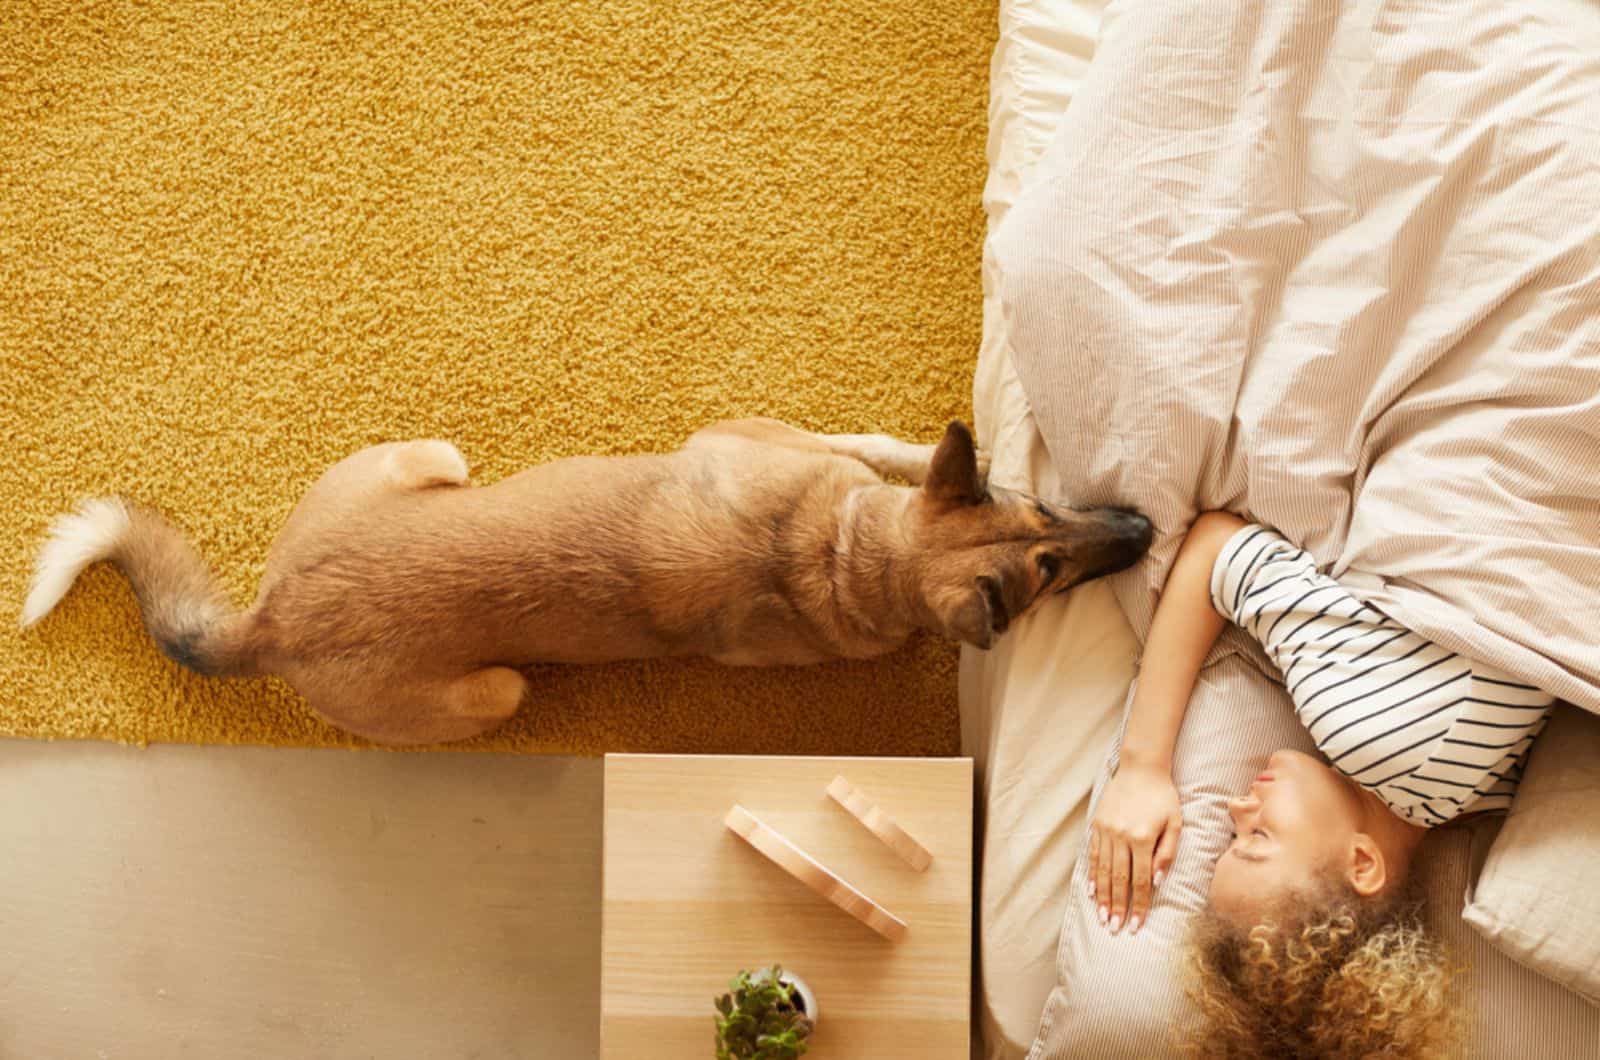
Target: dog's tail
184 609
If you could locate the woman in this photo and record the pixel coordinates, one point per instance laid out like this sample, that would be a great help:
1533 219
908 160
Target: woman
1311 948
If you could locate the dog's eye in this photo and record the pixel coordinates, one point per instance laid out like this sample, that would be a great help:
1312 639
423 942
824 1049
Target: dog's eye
1049 567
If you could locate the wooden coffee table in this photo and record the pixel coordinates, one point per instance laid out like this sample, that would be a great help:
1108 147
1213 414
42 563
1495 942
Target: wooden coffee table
688 902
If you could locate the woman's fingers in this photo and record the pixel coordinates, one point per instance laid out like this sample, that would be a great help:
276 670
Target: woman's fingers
1139 903
1167 849
1102 876
1121 859
1094 859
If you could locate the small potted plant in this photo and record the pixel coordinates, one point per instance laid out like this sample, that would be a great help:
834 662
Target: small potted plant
768 1015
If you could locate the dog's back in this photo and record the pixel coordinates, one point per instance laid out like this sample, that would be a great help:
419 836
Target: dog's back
582 560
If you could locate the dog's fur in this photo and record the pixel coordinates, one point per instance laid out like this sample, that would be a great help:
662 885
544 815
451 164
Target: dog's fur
401 602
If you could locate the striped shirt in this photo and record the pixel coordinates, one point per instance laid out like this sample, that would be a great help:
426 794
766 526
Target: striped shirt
1431 733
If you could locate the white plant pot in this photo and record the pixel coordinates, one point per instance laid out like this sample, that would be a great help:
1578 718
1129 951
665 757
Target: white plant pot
808 999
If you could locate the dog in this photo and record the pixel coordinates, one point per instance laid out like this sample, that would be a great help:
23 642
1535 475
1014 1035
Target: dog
401 601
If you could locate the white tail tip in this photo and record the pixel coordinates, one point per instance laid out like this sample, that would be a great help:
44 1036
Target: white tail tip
87 536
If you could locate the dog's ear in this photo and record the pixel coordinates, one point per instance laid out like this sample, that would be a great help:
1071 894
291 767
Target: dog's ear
982 614
953 477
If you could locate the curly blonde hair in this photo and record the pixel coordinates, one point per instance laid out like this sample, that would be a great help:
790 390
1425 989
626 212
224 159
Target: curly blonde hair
1327 975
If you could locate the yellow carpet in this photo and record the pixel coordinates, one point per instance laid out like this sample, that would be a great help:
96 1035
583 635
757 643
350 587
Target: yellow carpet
239 241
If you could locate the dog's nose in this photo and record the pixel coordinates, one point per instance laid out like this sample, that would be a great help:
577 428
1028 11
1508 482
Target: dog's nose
1132 528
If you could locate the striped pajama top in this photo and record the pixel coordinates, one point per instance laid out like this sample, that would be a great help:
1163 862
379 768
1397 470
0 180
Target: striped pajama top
1429 732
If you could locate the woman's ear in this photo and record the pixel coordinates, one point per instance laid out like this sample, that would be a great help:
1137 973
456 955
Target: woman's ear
1368 870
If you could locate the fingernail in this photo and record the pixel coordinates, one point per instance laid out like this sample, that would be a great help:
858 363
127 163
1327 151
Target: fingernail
1091 888
1116 923
1158 879
1133 926
1103 914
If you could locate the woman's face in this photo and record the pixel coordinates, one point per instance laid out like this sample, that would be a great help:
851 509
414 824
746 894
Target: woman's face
1298 820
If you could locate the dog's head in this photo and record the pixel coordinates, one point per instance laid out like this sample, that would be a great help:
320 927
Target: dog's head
988 555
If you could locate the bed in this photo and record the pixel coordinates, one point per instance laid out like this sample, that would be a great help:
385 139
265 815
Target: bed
1041 711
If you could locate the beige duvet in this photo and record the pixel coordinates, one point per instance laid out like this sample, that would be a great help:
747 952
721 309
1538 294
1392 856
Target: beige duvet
1338 266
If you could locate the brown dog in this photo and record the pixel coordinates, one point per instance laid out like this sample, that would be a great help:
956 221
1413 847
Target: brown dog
400 601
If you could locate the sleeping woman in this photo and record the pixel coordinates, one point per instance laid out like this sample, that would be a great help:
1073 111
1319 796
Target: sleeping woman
1311 947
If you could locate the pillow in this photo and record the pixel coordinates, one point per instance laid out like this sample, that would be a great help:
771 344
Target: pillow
1538 898
1117 995
1510 1010
1121 995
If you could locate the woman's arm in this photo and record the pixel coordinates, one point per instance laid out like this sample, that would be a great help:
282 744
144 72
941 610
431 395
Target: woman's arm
1181 635
1134 836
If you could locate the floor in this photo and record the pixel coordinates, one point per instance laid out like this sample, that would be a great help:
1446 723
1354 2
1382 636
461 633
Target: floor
244 902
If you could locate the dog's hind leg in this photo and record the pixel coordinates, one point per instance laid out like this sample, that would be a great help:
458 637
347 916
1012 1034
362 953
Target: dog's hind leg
460 708
402 711
420 465
352 486
483 699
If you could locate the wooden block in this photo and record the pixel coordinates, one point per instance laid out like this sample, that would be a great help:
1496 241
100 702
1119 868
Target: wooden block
813 874
880 824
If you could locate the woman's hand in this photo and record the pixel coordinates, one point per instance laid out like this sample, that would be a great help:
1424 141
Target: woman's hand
1135 831
1132 841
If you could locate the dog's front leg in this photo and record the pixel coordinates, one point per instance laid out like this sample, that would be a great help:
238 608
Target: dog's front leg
891 456
882 453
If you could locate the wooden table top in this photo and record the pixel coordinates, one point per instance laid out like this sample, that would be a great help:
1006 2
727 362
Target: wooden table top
687 902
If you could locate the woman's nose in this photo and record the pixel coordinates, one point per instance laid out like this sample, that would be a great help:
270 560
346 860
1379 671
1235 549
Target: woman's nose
1240 806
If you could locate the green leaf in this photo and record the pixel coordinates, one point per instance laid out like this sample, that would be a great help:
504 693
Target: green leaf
760 1019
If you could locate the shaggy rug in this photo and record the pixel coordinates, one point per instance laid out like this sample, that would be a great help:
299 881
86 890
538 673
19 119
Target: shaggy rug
240 241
